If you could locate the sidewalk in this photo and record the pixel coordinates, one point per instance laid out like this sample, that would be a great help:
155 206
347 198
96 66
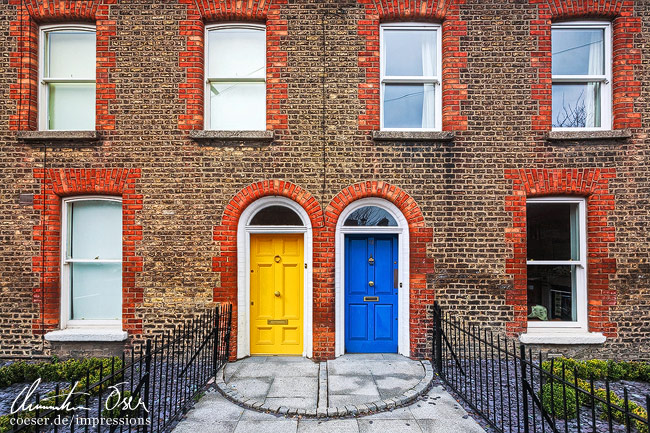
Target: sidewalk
304 391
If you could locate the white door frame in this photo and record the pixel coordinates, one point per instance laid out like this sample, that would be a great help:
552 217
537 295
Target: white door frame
402 232
244 230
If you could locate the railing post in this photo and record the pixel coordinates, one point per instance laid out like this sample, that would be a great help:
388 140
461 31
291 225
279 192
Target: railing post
524 387
215 353
147 373
437 337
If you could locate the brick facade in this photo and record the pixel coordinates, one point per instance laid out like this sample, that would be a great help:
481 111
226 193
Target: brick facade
464 198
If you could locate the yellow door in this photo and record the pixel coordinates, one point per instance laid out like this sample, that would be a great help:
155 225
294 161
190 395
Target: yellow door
277 270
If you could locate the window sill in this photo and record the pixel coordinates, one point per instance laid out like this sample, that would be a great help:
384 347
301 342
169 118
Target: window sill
438 136
231 137
87 334
562 337
616 134
35 136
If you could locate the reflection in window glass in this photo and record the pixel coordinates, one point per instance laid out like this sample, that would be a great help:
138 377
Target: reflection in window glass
370 216
276 216
576 105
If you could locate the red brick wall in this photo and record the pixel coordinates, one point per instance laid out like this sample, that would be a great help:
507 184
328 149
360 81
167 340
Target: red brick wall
33 13
59 183
626 58
593 184
202 12
454 90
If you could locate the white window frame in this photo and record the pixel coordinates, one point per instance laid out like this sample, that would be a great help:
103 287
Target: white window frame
209 80
581 323
44 88
436 80
604 80
66 322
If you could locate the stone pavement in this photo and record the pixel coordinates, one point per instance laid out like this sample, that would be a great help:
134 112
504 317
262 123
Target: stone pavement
354 393
349 385
434 412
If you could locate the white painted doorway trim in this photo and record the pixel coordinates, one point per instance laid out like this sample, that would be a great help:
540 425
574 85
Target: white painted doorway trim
244 230
402 231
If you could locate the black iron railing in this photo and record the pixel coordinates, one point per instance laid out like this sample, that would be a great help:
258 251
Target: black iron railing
514 391
146 391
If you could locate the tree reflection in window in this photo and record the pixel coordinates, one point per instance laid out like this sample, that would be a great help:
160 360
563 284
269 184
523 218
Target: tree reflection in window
276 216
370 216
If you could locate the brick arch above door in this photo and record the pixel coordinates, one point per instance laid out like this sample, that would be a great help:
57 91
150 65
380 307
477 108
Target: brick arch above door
226 234
419 263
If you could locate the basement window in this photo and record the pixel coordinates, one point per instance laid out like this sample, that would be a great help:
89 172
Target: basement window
556 264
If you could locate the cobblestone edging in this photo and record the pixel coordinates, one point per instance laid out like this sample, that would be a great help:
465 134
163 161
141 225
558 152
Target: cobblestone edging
330 412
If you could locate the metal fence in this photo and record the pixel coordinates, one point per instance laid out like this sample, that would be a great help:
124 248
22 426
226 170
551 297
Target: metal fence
515 391
146 391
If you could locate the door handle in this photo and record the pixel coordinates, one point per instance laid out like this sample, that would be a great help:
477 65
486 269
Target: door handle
371 284
277 293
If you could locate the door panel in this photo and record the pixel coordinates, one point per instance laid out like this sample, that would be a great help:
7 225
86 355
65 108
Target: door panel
370 293
276 285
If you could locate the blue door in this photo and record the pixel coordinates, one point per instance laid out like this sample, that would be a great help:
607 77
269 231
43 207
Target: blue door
371 281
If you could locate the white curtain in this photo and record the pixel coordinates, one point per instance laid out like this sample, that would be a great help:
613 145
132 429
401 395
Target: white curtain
592 98
428 69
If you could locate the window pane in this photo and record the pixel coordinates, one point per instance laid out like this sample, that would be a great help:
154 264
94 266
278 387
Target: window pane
276 216
370 216
96 229
578 51
410 52
71 54
553 232
238 106
237 53
96 290
552 293
409 105
576 105
72 106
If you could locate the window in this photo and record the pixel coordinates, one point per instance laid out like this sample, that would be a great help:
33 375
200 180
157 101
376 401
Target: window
582 75
556 251
276 216
368 216
236 77
92 262
411 98
67 77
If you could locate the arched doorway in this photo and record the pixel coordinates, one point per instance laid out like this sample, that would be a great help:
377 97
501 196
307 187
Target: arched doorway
372 278
274 279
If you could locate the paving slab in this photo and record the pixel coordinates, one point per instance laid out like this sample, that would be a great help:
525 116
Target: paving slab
332 426
349 385
444 415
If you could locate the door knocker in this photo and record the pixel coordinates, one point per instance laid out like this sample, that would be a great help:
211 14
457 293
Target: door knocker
371 261
277 259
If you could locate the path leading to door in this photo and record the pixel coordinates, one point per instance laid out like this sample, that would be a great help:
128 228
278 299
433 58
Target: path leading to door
433 412
349 385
